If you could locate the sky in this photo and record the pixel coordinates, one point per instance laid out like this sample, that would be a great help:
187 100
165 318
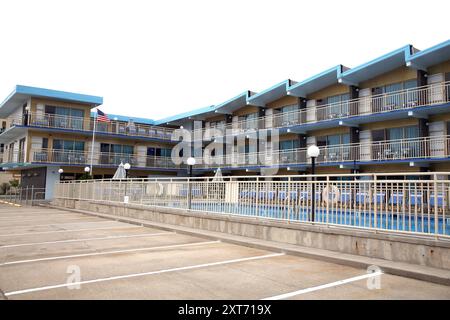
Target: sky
155 59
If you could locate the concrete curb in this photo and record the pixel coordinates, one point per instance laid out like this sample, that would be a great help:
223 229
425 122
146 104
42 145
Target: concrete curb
429 274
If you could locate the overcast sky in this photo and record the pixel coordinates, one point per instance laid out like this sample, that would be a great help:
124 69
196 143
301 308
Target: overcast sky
158 58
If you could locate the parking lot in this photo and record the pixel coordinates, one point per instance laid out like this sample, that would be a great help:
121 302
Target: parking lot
54 254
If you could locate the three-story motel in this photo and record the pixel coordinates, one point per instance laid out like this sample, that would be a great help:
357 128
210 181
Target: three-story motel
391 114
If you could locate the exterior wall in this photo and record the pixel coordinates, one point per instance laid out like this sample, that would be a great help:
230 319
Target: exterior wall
245 110
6 176
440 68
329 132
330 91
282 102
397 75
390 124
393 167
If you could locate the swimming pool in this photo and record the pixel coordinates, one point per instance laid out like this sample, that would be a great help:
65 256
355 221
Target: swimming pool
386 220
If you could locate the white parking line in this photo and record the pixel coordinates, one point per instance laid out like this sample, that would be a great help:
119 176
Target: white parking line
72 230
107 253
134 275
324 286
85 239
75 220
27 219
57 224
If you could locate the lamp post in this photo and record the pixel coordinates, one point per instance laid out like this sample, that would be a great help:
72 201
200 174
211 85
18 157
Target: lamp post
191 163
127 167
313 152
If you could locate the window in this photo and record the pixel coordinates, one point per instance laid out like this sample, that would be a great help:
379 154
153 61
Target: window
394 99
68 145
333 140
251 121
289 144
116 148
63 117
159 152
338 105
116 153
217 124
289 115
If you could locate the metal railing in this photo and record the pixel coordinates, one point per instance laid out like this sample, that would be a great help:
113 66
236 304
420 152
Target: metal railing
429 95
432 147
47 120
99 158
28 196
380 202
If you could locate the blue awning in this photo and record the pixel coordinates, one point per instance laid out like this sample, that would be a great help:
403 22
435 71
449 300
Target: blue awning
429 57
273 93
317 82
376 67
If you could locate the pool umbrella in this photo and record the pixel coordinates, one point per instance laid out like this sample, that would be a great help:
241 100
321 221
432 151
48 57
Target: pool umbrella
120 172
218 176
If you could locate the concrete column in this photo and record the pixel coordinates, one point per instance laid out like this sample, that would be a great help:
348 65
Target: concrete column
355 151
354 94
421 78
301 102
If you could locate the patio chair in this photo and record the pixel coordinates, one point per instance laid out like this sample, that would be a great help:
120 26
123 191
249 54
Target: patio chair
380 197
396 199
441 202
346 197
416 198
362 197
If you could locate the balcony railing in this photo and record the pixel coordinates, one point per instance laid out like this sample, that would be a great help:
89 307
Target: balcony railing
99 158
399 100
434 147
404 149
47 120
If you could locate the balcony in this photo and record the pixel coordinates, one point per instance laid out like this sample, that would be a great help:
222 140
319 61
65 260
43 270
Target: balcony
424 148
45 120
407 100
45 156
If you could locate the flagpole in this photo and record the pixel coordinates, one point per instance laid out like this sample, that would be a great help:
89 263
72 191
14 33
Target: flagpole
93 141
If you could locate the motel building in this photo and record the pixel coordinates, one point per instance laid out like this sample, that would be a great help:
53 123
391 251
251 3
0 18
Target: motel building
389 115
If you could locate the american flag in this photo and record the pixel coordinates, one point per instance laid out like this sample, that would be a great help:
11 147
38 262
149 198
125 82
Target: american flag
101 116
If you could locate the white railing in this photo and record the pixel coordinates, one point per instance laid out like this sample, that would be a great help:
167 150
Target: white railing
360 201
99 158
47 120
429 95
432 147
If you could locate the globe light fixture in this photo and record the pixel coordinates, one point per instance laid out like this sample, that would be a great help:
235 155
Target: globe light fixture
313 151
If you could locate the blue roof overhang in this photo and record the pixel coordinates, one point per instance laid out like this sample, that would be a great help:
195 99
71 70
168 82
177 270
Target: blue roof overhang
21 94
376 67
197 114
429 57
234 104
273 93
317 82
